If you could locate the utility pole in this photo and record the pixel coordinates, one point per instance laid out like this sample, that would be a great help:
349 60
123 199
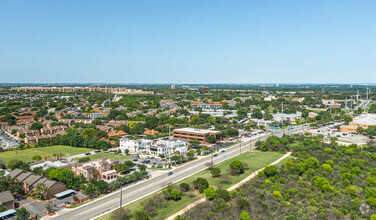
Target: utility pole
169 144
283 131
121 201
240 145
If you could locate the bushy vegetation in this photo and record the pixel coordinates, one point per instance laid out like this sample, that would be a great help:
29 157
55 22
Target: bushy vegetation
323 181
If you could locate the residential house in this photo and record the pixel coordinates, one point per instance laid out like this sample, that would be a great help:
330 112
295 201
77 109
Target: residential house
31 181
150 132
7 200
53 130
116 133
167 103
103 167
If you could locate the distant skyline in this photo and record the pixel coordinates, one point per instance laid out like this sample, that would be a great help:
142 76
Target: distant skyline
187 42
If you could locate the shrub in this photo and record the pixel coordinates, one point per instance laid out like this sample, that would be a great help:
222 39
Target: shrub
201 184
175 194
223 194
225 179
184 187
351 191
277 194
371 201
210 193
215 172
236 167
270 171
244 216
242 204
327 168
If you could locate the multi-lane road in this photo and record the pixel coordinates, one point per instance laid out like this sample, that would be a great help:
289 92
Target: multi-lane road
139 190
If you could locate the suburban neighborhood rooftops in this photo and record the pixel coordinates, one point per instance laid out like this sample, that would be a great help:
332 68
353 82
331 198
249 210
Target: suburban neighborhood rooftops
6 196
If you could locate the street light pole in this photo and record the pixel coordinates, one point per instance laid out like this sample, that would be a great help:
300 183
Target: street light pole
121 200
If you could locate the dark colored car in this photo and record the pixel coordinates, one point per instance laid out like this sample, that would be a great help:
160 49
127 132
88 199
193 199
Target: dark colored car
87 153
170 173
223 151
215 155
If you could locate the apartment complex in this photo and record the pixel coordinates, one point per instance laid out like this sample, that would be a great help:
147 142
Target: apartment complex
196 134
31 181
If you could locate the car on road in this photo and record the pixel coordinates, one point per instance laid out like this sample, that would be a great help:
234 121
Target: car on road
223 151
170 173
135 160
87 153
215 155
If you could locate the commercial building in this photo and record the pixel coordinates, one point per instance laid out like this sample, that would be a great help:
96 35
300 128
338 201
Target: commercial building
154 147
363 121
196 134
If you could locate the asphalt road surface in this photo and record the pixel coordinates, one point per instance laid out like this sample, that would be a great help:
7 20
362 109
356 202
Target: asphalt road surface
139 190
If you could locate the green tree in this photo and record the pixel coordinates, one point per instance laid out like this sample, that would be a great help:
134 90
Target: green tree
236 167
175 194
270 171
244 216
215 172
36 158
201 184
210 193
22 214
211 139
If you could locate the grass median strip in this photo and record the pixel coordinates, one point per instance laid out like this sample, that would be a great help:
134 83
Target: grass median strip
254 159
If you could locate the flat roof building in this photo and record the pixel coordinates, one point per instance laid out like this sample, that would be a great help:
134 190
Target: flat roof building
363 120
196 134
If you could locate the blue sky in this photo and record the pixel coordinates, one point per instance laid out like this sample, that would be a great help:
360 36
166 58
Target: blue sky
191 41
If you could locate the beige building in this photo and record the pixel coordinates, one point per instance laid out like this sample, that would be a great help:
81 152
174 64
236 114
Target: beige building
363 120
99 169
196 134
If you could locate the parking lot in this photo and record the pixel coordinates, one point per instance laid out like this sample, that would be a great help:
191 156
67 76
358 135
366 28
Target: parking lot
6 141
38 208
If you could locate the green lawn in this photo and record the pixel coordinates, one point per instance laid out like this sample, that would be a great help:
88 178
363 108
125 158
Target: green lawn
109 156
254 159
26 155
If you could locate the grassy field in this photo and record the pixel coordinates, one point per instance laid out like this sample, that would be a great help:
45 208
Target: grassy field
109 156
254 159
26 155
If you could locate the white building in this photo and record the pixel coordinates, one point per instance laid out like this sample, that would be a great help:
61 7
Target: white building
154 147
